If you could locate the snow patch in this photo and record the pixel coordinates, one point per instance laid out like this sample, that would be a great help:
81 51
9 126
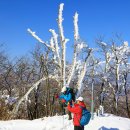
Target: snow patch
105 122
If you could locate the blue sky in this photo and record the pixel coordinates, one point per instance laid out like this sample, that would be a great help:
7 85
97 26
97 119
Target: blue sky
96 17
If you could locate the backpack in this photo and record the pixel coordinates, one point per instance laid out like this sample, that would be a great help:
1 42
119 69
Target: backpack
86 115
70 90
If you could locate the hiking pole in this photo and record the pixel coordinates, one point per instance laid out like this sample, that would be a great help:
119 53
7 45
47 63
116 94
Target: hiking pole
92 97
63 118
92 102
63 123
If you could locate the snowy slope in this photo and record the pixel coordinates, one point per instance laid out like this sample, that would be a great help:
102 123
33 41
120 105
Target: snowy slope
106 122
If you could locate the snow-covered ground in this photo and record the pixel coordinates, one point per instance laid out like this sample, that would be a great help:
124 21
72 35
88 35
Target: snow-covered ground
106 122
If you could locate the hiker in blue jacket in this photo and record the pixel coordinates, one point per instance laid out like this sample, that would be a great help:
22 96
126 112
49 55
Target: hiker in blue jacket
66 96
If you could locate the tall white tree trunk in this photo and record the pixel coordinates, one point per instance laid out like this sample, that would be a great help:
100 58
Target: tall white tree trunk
63 44
83 72
76 37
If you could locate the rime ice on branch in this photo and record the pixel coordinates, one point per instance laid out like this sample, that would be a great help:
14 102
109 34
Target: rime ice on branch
76 38
63 42
78 46
59 53
39 39
76 29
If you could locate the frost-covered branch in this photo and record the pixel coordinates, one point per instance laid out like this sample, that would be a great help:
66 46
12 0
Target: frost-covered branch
107 58
76 29
60 19
16 107
73 67
63 43
76 37
55 36
79 84
40 40
52 42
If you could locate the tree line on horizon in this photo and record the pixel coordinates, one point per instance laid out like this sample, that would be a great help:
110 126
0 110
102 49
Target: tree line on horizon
29 85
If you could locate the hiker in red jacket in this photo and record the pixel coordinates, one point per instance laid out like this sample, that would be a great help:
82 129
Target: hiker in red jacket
77 111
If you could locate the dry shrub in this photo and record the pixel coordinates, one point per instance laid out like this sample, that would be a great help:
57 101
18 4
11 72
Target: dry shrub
4 110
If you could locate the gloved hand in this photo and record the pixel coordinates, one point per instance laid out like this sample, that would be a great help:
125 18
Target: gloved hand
56 96
63 100
73 102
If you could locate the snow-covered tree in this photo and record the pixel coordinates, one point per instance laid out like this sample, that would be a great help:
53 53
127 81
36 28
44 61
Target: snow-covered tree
114 70
119 58
57 49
